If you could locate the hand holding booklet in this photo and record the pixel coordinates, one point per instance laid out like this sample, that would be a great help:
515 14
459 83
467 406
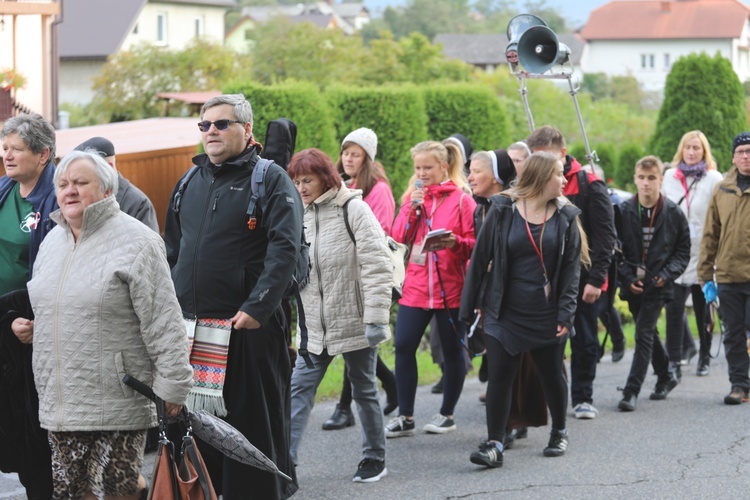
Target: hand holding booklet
433 240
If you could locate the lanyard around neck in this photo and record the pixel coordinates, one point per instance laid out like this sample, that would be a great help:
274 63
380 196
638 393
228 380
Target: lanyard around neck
644 253
538 249
687 190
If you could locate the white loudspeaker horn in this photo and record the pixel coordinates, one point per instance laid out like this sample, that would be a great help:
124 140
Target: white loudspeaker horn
516 28
539 50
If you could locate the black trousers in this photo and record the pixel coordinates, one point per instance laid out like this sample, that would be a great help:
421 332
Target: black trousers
735 313
676 324
648 346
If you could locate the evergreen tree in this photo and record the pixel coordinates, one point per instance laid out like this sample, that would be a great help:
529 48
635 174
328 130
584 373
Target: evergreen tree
701 93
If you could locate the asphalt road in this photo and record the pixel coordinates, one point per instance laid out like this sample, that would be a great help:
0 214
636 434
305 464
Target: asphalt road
688 446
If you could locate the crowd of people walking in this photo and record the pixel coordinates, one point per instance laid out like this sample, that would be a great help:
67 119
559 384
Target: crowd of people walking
519 243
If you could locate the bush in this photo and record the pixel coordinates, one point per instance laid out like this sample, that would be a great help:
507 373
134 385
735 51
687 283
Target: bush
300 102
629 156
703 93
471 110
396 114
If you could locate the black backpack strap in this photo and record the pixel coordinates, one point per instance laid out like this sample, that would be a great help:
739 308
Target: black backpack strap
583 185
257 185
177 201
346 221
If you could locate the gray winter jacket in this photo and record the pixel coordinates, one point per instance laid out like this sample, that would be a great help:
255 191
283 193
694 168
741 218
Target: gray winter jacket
349 287
105 306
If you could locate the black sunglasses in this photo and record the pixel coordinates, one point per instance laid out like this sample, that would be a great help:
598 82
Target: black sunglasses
219 124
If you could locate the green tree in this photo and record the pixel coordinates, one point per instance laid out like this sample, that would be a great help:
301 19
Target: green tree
704 93
127 87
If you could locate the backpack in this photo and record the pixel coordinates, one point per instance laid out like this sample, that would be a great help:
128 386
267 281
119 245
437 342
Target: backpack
281 137
398 254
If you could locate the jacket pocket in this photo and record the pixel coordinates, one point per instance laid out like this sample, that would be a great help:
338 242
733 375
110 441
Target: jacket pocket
121 372
358 295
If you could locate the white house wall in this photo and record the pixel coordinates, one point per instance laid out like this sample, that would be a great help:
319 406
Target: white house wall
624 58
76 80
180 24
29 59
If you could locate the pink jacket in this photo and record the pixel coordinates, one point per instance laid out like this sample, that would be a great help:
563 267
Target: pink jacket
446 206
380 199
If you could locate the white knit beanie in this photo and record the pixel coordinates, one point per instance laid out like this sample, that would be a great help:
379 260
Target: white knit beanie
364 138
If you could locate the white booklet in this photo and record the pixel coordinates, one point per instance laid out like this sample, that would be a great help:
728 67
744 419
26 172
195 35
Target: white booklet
432 239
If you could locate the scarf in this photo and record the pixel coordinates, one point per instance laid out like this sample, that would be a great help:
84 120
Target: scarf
743 181
209 348
697 171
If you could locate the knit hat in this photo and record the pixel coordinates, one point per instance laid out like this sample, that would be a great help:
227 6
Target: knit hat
101 145
502 166
741 139
464 145
364 138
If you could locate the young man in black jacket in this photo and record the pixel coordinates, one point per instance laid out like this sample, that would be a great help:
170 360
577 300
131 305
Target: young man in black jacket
589 193
656 249
229 268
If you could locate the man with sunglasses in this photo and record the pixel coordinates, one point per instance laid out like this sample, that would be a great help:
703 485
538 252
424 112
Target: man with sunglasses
725 259
230 271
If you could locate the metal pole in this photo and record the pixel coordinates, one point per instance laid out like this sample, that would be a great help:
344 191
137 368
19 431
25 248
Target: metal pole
590 155
524 91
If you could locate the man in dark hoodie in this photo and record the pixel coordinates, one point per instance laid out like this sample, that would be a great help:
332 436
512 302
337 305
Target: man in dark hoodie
230 271
589 194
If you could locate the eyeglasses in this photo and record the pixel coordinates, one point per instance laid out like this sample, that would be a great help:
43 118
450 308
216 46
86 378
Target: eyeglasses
742 152
205 125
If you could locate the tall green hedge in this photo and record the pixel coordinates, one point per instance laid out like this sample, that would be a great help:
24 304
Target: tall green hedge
703 93
302 103
471 110
396 114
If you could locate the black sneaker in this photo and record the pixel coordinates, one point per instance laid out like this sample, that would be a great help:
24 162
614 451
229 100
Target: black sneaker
558 443
628 401
437 388
370 470
737 396
440 424
663 388
488 455
704 366
398 427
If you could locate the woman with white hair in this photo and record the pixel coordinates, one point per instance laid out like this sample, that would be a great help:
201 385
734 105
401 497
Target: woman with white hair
105 306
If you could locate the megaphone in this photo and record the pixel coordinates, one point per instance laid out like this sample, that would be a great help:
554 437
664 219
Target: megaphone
539 50
516 27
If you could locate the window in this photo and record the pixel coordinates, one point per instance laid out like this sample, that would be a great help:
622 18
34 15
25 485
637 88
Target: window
135 29
647 61
248 34
161 28
199 27
667 61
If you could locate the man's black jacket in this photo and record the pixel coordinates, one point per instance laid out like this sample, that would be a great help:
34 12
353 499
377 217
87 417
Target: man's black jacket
219 265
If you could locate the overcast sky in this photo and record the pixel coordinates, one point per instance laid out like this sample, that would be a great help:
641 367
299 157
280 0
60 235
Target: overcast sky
576 12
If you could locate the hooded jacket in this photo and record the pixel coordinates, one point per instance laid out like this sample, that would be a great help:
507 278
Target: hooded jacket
44 201
104 307
726 237
219 265
445 206
485 291
350 285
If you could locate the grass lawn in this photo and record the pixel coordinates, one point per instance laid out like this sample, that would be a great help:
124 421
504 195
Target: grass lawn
429 372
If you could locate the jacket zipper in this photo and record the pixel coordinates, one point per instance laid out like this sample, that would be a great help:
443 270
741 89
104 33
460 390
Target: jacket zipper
197 246
58 377
317 271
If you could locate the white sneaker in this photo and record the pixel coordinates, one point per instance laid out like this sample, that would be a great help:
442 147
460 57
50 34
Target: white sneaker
440 424
585 411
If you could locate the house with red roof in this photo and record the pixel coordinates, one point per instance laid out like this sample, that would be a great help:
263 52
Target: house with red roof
644 38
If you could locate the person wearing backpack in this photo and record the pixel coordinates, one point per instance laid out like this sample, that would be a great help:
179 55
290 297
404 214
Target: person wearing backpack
347 303
357 166
230 270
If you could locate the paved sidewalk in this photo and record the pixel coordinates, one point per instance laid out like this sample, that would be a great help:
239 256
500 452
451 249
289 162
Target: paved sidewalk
689 446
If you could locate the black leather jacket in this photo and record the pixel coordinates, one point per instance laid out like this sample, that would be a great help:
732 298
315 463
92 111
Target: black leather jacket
668 252
491 245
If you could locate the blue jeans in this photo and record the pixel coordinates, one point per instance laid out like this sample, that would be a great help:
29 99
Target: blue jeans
584 353
360 366
735 313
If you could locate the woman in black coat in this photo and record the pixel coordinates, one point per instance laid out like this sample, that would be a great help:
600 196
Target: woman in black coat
530 243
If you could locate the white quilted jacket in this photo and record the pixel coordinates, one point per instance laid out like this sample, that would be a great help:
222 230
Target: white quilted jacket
105 306
349 286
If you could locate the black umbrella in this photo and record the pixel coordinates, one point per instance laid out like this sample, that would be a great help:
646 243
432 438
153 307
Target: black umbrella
217 433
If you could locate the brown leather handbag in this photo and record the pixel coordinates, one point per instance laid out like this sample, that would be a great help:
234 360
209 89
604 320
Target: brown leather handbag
188 481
